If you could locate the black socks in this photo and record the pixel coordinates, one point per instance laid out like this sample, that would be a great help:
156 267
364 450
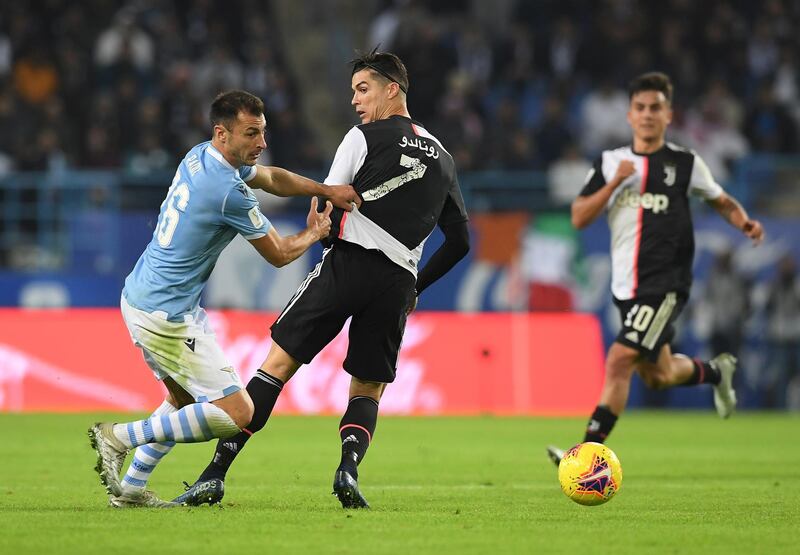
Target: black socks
703 372
264 390
356 430
600 424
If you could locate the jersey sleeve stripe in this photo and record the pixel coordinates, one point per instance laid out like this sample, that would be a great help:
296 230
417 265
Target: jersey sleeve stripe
341 224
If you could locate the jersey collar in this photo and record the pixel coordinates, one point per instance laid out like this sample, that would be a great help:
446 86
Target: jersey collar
220 158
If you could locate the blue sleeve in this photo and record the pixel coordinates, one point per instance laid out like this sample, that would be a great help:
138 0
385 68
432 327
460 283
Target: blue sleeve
240 211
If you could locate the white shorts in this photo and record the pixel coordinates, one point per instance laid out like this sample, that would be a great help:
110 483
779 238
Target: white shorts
185 351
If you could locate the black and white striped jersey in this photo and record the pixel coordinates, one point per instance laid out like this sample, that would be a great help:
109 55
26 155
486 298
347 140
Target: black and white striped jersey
652 237
408 184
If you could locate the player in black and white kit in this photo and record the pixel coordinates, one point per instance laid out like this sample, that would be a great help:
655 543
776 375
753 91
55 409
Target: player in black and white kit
645 188
407 184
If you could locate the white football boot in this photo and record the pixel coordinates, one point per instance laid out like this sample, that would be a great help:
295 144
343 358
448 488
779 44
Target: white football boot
555 454
139 497
724 394
111 454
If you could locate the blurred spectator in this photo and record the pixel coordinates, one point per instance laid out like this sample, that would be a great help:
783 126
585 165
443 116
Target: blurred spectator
178 109
603 116
35 76
474 55
124 42
508 145
710 127
422 47
74 72
567 176
769 125
148 156
552 134
217 71
101 148
46 155
514 55
564 48
384 26
762 51
783 334
6 53
727 295
126 106
787 81
290 143
10 118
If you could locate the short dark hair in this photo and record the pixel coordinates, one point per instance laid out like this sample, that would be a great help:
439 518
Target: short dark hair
652 81
385 64
227 105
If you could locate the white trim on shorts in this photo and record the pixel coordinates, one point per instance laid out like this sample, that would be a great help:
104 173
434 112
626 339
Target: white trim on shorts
660 321
303 286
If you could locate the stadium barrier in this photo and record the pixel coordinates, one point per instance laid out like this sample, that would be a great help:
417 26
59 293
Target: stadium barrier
450 363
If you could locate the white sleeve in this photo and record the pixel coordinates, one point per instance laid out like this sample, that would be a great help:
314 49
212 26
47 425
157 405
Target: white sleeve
349 158
701 182
247 173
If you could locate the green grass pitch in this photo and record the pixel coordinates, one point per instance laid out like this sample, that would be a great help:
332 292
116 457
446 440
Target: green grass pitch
692 484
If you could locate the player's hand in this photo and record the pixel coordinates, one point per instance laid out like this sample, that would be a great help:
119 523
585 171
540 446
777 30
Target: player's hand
624 171
343 196
319 222
754 230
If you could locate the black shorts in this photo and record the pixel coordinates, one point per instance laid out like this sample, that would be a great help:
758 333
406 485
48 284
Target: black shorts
350 281
648 322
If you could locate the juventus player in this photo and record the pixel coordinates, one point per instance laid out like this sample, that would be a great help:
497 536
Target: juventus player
407 183
645 189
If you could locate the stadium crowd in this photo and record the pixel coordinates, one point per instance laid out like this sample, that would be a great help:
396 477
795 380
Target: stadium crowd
508 84
99 86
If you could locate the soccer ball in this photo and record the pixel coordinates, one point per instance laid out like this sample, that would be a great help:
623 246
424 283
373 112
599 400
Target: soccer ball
590 473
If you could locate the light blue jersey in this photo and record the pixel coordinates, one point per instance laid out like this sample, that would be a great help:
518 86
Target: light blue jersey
206 206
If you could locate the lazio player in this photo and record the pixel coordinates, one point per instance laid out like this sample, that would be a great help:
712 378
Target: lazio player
209 202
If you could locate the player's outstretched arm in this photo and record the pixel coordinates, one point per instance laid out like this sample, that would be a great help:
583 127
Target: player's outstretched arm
454 248
279 251
733 213
283 183
586 208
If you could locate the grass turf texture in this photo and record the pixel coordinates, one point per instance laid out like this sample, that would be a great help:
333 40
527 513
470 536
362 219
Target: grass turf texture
692 484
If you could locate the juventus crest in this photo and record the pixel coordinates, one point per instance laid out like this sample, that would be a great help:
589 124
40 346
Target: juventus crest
669 175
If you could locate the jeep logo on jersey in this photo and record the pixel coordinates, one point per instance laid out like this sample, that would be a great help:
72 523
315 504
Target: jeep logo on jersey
648 201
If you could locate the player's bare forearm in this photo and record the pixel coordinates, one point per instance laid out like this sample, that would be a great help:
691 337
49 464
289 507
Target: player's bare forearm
586 209
733 213
283 183
730 209
280 251
293 246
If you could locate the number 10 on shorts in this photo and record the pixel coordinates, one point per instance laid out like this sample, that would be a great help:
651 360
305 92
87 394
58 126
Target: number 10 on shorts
639 317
